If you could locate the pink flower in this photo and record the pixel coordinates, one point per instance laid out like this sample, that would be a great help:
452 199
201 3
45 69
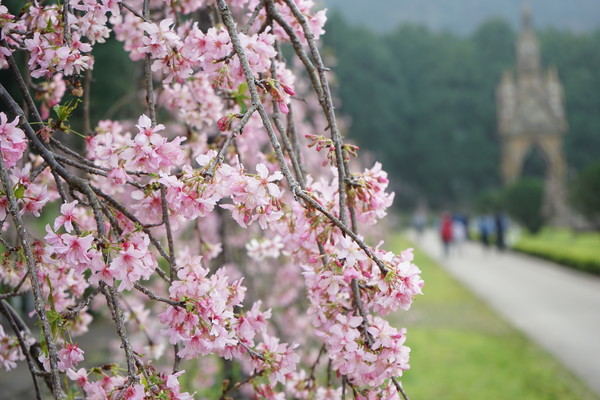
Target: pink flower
350 251
225 122
67 216
136 392
118 175
287 89
283 107
69 356
145 126
34 199
75 249
133 263
12 141
80 376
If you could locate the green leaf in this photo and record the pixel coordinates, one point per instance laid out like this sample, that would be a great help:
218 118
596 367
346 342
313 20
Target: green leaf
55 321
240 96
64 111
19 191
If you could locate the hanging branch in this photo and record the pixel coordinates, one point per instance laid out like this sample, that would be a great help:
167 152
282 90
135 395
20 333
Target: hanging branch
152 296
238 128
73 311
341 167
292 184
87 87
295 144
253 16
5 309
117 316
399 388
65 22
298 48
329 109
283 132
39 304
148 72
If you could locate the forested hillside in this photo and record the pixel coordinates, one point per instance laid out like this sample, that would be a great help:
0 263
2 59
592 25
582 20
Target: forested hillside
425 102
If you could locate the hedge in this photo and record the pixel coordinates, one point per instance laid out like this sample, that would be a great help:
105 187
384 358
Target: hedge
576 250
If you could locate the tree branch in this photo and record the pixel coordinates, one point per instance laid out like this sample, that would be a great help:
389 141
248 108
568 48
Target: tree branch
5 309
39 304
117 315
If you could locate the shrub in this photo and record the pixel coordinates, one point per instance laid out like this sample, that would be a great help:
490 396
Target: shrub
523 202
585 193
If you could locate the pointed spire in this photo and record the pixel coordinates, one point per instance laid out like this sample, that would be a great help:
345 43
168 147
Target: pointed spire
526 17
528 57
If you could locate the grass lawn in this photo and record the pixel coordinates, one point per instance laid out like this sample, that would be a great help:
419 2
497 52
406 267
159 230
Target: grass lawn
462 350
579 250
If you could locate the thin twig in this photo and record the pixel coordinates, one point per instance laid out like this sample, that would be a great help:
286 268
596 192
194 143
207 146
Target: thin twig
12 294
292 184
39 304
72 311
239 384
87 162
87 87
5 309
283 132
117 315
65 21
134 12
238 128
399 388
252 18
329 109
167 223
311 376
148 73
361 310
298 48
152 296
21 282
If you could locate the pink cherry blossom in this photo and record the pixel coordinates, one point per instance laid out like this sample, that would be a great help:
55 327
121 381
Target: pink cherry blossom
69 356
12 141
67 217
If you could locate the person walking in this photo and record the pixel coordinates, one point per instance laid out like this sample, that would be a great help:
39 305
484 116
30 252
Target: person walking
486 228
501 225
459 233
446 232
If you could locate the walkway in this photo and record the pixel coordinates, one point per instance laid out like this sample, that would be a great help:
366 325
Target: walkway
556 307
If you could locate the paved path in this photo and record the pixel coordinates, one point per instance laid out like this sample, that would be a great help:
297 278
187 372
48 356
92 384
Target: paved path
556 307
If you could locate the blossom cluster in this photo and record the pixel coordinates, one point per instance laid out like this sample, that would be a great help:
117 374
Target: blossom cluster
146 213
10 351
112 386
12 141
206 322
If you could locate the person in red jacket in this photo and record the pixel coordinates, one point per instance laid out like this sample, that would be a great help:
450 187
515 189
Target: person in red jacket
446 231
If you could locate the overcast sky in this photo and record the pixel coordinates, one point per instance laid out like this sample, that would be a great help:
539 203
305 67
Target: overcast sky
463 16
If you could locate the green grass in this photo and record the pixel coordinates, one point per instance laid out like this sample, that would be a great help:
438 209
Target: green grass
580 250
463 350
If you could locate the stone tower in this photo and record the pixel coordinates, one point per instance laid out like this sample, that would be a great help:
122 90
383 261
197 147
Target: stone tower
531 114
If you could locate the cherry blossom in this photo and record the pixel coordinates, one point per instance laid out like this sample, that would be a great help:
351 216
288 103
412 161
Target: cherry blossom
12 141
209 232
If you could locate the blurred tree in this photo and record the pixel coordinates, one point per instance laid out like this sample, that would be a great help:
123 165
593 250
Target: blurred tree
523 202
425 102
577 57
585 193
113 91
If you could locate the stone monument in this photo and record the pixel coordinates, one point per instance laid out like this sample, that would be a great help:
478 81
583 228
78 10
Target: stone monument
531 114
